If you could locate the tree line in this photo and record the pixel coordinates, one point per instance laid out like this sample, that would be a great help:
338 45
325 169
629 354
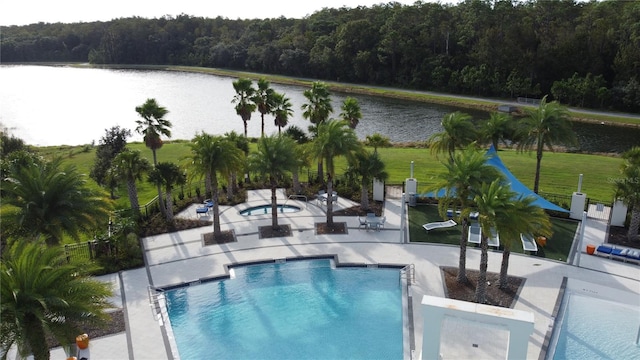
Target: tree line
582 54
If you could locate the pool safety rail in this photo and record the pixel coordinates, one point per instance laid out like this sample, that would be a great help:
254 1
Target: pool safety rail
157 302
409 272
299 198
155 296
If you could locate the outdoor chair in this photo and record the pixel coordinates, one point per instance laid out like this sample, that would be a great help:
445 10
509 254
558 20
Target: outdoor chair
439 225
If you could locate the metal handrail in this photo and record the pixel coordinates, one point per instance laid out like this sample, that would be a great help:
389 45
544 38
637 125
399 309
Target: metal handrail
296 197
410 272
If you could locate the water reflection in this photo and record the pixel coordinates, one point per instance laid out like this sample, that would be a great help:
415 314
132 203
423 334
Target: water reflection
63 105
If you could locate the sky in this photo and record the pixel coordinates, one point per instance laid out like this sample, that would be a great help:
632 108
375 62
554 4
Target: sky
24 12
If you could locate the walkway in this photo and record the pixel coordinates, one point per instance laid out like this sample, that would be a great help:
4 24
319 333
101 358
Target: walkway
180 258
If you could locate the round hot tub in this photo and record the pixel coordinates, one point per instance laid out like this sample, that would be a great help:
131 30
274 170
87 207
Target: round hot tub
266 209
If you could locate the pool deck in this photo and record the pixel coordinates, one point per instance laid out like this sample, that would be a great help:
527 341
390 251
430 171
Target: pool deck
181 257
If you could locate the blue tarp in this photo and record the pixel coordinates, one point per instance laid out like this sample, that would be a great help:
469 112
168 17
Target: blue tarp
516 185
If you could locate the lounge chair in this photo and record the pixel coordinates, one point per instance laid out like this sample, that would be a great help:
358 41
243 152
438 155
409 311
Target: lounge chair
633 255
439 225
202 210
619 253
475 234
528 243
494 240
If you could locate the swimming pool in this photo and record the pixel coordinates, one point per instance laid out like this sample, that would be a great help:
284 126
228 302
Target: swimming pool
266 209
291 310
593 326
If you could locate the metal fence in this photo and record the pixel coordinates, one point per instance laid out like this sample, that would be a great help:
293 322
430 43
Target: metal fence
89 250
526 100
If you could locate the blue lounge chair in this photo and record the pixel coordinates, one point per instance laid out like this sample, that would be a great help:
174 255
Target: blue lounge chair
604 249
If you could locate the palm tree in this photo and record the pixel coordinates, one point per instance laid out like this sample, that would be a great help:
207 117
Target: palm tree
368 166
490 200
335 138
152 126
319 107
282 110
377 140
317 111
466 172
213 155
297 134
497 128
241 143
545 126
351 111
458 132
51 201
130 165
303 159
243 100
168 175
521 217
274 158
628 188
263 98
501 209
44 296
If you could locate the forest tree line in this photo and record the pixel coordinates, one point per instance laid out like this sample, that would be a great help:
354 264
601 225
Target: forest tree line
583 54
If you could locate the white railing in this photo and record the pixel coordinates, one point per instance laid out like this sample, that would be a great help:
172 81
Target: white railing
410 273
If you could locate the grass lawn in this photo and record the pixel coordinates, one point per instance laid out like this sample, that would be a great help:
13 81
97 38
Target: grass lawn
556 176
557 248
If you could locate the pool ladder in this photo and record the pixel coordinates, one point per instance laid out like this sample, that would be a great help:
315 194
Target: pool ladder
410 273
154 302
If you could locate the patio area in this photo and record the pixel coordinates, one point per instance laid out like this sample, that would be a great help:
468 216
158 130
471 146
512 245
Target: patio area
182 258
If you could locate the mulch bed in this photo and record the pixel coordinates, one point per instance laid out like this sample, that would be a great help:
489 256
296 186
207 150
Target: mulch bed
618 236
338 228
374 207
227 236
467 292
114 325
271 232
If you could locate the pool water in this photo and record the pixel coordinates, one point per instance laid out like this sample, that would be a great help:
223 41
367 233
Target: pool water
266 209
594 328
293 310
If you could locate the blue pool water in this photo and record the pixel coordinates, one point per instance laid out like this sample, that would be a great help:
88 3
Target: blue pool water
293 310
266 209
594 328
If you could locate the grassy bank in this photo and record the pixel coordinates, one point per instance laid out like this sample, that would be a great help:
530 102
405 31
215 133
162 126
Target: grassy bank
560 171
422 96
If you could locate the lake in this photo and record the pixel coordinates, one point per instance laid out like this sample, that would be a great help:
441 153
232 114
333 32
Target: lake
47 105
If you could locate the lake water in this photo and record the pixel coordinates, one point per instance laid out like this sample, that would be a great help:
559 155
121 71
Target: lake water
47 105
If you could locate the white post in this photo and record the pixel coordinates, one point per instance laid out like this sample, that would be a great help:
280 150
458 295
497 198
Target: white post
581 237
411 170
403 207
580 184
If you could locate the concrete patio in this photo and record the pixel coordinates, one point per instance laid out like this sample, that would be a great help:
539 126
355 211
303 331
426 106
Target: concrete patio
182 258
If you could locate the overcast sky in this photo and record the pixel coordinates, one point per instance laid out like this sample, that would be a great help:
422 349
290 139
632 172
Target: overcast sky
23 12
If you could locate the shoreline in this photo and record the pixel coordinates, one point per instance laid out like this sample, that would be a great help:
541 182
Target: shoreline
461 101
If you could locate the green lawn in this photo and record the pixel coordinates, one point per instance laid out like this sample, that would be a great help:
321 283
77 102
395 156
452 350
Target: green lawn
559 175
557 248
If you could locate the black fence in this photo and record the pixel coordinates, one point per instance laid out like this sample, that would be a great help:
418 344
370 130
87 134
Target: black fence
89 250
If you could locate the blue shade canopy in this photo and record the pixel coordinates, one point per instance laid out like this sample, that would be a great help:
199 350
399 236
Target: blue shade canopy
515 184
